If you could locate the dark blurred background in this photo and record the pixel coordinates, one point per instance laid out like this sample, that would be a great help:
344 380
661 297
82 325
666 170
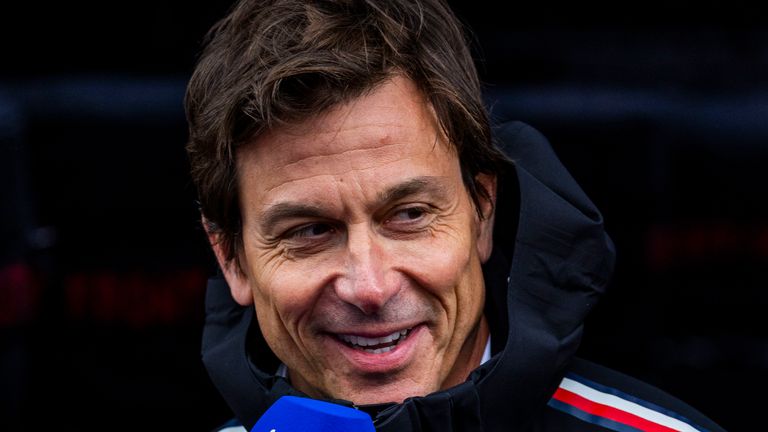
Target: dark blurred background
659 108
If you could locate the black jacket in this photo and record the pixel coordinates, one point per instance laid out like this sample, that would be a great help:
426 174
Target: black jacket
551 261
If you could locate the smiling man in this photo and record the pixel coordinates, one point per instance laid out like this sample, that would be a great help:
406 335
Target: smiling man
377 248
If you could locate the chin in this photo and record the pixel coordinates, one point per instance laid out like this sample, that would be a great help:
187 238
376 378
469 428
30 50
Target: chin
392 392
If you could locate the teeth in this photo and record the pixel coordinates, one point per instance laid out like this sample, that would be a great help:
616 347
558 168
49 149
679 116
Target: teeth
361 341
380 350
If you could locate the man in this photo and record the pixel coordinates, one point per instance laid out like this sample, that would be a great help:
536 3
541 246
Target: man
377 249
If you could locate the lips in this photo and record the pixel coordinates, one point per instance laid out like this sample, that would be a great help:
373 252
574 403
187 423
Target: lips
389 351
375 345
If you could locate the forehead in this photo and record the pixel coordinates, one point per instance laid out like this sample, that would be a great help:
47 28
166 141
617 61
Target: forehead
386 132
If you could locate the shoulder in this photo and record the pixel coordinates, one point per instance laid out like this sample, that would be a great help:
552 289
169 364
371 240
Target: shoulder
592 395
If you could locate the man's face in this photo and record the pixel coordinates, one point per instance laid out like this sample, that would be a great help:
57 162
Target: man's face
362 250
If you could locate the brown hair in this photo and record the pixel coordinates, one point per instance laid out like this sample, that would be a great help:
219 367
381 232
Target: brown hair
276 61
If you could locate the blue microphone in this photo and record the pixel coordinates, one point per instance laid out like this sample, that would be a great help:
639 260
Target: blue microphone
297 414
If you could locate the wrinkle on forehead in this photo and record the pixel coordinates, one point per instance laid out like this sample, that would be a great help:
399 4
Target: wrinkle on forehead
337 166
317 143
373 155
299 177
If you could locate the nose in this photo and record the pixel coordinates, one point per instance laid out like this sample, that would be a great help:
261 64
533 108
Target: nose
368 283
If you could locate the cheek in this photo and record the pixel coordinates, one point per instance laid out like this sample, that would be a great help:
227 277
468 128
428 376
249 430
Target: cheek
448 268
283 303
439 264
285 293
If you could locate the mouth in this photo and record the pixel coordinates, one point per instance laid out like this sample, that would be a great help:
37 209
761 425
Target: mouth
375 345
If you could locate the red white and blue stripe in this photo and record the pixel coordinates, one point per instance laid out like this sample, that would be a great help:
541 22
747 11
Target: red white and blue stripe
614 409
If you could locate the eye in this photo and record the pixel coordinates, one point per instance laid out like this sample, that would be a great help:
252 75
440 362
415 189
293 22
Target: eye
409 214
410 219
312 231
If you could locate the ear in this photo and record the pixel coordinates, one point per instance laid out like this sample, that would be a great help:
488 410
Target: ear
236 279
487 208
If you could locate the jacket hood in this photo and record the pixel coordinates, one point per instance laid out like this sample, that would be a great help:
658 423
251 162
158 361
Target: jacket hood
551 261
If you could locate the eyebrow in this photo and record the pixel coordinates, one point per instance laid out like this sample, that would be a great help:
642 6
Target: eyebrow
292 210
416 185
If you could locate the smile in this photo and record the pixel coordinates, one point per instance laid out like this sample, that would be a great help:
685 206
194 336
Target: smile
375 345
